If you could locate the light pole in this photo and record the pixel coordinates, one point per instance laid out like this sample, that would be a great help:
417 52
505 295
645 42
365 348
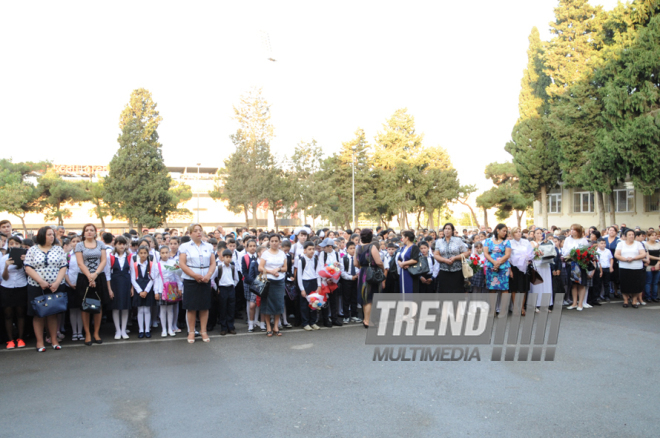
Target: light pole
353 166
198 164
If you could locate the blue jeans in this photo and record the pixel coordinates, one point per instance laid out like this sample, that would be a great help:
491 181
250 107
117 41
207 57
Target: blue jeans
651 288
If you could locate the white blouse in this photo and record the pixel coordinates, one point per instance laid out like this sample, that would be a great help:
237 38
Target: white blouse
274 261
571 243
521 253
198 257
630 251
17 277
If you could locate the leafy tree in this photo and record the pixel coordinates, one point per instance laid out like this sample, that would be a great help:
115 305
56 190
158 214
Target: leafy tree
141 107
305 167
242 181
464 193
506 194
18 196
95 193
138 183
533 154
54 192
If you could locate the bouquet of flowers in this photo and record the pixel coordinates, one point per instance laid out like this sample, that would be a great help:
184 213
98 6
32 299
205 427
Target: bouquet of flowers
584 256
330 276
316 300
538 254
475 263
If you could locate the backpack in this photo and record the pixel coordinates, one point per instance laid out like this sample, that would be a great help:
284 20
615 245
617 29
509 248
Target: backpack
220 270
325 257
137 272
303 262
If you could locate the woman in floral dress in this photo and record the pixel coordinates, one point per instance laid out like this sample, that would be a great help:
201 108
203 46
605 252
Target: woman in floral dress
497 250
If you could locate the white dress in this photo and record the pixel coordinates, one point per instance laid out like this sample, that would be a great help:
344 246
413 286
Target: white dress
546 275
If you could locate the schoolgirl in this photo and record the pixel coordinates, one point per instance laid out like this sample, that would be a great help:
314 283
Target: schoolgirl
478 280
171 283
252 311
249 278
174 255
143 282
299 241
120 282
13 295
71 278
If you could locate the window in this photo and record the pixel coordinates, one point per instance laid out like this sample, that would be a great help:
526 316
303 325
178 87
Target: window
554 203
624 201
652 203
583 202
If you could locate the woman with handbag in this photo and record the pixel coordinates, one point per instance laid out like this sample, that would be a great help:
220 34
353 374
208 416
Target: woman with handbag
542 266
197 261
497 250
449 253
407 257
45 265
273 263
367 260
92 284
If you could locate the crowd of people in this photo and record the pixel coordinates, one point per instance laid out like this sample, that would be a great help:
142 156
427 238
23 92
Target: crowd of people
201 280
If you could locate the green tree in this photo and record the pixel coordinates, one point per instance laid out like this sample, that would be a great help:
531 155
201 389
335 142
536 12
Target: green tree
141 107
181 193
95 193
54 192
306 166
534 157
18 196
242 181
138 183
506 195
464 193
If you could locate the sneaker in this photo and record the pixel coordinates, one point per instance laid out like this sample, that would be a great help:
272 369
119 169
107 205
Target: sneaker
316 327
11 345
308 328
356 319
347 320
20 343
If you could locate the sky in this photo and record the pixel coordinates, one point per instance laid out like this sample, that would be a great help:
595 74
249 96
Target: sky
68 69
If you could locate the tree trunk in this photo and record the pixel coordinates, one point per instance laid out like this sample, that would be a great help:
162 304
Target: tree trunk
254 214
22 218
275 221
245 210
601 210
519 218
432 220
419 214
544 207
612 212
474 214
485 217
102 223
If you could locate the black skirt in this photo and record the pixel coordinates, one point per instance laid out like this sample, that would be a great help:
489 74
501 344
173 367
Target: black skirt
632 281
520 281
147 301
82 287
13 297
450 282
196 296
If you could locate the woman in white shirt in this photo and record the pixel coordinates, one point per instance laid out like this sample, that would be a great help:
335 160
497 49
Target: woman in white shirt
578 287
273 263
13 295
521 254
197 261
632 275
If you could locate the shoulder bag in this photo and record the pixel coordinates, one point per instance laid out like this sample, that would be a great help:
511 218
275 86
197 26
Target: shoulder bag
259 286
534 276
90 305
50 304
549 252
467 269
374 275
419 268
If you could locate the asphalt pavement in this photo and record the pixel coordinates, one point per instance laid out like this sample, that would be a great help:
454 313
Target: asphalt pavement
604 382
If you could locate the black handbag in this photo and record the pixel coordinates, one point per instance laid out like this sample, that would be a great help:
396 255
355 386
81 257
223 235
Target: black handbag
50 304
90 305
259 287
419 268
534 276
374 274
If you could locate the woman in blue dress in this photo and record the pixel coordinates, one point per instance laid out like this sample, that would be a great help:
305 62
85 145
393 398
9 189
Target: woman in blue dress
497 250
407 257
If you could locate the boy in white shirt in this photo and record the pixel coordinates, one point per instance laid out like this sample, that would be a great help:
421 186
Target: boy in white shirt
225 279
605 260
308 282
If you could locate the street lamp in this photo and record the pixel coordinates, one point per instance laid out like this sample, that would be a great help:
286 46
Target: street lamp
198 164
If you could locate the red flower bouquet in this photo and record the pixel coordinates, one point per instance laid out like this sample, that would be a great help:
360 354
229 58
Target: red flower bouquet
584 256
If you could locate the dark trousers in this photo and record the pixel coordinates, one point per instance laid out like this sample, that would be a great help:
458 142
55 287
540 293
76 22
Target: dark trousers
307 315
227 298
349 298
292 307
333 303
594 291
605 283
240 303
427 288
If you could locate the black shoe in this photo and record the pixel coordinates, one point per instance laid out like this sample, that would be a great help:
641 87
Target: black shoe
89 344
337 323
197 335
98 341
141 335
222 333
596 303
232 332
147 335
328 325
655 300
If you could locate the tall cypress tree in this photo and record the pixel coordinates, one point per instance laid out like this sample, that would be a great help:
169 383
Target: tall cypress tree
534 157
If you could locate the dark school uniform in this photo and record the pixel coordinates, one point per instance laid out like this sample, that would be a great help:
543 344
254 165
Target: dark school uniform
143 279
120 280
349 287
